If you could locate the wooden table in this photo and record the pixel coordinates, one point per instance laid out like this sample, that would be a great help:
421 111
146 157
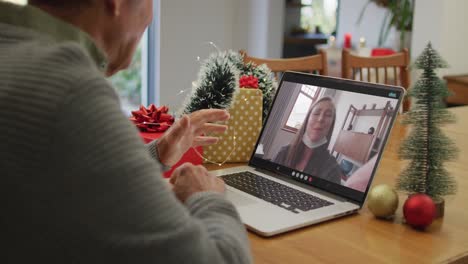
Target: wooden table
458 84
361 238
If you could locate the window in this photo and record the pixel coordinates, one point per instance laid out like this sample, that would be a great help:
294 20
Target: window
139 84
128 83
19 2
319 15
305 98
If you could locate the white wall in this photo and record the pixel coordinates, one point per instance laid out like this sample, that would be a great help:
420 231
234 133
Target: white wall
444 24
186 27
275 36
259 26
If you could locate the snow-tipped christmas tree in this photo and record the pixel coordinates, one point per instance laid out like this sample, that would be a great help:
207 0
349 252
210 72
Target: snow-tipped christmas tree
266 83
218 82
427 147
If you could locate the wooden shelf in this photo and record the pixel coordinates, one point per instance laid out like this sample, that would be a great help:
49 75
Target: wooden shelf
360 146
296 5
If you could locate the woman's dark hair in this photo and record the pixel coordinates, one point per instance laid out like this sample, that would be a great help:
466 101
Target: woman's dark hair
297 147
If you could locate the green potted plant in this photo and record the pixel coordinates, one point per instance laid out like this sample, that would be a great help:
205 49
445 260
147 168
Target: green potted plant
399 14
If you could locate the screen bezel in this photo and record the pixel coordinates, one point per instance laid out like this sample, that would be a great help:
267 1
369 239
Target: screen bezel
341 85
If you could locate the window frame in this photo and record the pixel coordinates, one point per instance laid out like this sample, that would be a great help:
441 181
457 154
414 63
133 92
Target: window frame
313 98
151 77
149 61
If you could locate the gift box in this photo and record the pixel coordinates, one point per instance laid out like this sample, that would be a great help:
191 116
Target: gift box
189 156
152 122
238 142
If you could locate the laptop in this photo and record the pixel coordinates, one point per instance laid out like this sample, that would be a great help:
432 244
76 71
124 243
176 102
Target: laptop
316 155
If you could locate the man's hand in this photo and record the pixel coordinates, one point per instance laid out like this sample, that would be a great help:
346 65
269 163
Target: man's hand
187 133
189 179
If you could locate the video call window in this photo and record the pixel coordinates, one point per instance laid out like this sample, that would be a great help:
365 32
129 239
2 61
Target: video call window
330 134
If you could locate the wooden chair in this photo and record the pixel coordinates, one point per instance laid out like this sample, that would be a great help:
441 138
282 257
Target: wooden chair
378 69
311 64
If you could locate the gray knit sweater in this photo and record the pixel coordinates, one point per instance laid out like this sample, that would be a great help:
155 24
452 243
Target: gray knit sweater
77 184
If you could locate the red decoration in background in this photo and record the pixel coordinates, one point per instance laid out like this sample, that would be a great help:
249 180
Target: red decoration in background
248 81
347 41
419 210
152 119
381 52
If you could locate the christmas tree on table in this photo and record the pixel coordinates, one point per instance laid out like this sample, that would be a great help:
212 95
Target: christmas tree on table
218 81
427 147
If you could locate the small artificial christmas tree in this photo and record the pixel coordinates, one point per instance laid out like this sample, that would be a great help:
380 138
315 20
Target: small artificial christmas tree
427 147
219 80
266 83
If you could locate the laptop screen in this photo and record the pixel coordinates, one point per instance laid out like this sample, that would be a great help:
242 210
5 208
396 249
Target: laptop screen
327 132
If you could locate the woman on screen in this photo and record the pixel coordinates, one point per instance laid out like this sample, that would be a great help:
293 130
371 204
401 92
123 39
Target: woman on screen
308 150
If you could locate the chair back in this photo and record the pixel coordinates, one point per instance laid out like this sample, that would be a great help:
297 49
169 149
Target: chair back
311 64
392 69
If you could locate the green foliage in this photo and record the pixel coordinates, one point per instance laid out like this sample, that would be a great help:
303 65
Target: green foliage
399 14
427 147
315 14
217 82
266 83
128 82
219 79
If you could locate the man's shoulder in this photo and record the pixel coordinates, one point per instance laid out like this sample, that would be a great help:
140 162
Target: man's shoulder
40 54
43 66
63 65
67 58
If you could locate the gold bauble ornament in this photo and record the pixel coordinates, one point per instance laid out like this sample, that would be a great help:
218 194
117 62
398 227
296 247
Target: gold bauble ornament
382 201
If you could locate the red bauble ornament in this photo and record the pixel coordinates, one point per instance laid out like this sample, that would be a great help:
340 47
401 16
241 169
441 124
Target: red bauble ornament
419 210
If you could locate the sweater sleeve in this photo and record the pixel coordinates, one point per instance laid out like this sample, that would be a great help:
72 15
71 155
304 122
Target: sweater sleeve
153 150
114 206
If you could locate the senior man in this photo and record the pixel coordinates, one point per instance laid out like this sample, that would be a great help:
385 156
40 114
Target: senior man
77 183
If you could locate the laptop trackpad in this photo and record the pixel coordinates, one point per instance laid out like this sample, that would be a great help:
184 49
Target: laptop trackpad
239 199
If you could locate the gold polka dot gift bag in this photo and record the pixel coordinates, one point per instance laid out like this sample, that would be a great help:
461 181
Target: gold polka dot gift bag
238 142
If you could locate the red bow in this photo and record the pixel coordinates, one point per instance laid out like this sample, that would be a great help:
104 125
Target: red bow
152 119
248 81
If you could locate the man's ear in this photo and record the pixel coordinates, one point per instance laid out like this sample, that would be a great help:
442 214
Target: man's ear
114 7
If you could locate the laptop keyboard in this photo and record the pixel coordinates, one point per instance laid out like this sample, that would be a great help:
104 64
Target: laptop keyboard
273 192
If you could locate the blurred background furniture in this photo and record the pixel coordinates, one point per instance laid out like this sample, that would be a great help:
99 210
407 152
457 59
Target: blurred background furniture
390 69
458 85
311 64
305 44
